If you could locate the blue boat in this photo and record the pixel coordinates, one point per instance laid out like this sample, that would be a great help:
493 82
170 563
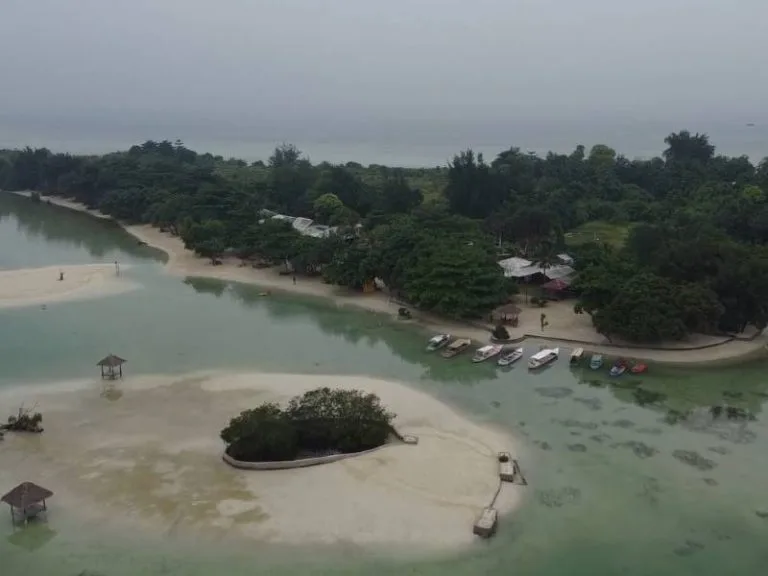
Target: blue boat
596 362
619 368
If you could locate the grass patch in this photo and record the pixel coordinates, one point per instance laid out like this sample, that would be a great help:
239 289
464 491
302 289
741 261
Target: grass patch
598 231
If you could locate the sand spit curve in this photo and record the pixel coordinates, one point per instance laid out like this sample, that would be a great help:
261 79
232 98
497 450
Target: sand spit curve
148 452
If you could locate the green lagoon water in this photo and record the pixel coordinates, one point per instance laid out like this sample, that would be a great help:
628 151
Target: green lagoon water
616 486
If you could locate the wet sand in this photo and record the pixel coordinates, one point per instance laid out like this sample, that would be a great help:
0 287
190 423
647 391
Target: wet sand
147 452
39 286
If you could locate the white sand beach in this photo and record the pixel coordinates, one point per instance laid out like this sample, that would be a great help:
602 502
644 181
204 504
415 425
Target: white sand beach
570 329
149 454
43 286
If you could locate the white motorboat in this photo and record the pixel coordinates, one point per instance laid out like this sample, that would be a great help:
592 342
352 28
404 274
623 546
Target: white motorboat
577 355
543 357
437 342
509 358
486 352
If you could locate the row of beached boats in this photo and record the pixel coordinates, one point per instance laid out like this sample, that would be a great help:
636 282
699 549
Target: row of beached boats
506 356
618 368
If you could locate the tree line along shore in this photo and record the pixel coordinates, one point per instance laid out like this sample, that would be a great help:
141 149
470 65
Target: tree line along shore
661 247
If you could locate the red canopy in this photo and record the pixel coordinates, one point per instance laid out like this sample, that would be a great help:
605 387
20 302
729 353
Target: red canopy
558 284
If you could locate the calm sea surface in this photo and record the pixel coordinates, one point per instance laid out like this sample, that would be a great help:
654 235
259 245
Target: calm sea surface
618 485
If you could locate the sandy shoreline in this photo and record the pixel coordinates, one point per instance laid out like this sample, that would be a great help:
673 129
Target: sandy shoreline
565 327
42 286
153 457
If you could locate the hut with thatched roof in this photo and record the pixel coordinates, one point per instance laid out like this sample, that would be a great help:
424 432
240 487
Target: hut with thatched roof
28 499
506 314
111 367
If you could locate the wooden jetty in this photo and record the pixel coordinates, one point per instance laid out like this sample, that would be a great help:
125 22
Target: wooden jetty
506 467
485 527
509 471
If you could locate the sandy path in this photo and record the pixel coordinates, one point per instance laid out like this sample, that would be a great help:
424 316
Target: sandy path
562 322
38 286
152 457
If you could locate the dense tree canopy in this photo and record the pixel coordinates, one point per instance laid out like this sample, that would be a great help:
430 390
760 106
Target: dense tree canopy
695 256
320 422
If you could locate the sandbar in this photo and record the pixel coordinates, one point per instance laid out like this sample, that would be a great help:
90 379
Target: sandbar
147 452
42 286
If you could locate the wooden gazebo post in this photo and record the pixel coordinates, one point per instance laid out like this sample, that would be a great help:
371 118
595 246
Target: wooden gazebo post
25 497
110 362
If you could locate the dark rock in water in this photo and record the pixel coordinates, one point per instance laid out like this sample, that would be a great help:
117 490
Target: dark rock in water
591 403
543 445
553 392
640 449
719 450
690 547
577 448
558 498
710 482
721 536
620 423
650 431
761 514
570 423
600 438
644 397
674 416
694 459
574 433
740 435
731 394
651 488
495 403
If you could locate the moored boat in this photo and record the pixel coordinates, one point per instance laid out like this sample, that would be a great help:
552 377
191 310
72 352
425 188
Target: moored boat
509 358
576 355
619 367
639 368
483 353
596 362
437 342
543 357
456 347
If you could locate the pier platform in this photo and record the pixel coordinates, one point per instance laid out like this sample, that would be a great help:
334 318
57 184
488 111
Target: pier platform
485 527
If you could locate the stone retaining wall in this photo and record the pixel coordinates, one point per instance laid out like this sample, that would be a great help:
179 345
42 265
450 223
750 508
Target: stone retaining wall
290 464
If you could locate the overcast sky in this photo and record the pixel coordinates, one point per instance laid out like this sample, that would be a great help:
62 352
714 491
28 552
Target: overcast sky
337 67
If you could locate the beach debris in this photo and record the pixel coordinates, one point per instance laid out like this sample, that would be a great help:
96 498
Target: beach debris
24 421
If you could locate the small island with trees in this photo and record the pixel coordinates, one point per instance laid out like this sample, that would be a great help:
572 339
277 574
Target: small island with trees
320 426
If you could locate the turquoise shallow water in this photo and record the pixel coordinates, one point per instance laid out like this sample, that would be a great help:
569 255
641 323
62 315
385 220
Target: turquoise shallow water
616 484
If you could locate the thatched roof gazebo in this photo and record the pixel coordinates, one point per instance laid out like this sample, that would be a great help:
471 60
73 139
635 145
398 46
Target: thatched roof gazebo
28 498
111 367
506 313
